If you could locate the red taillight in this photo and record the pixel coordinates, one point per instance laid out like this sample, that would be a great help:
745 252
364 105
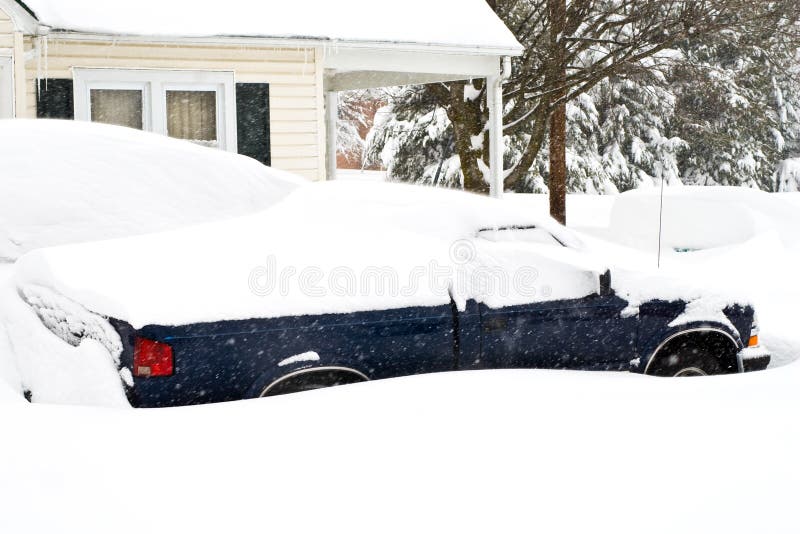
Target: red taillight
152 358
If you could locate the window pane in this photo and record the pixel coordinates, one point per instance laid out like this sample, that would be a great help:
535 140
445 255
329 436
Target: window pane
116 106
192 115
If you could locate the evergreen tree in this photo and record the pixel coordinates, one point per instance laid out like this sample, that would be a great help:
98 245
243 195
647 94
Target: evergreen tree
647 99
737 107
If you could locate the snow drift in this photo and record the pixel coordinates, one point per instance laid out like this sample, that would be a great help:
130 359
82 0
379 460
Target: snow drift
64 182
696 218
489 451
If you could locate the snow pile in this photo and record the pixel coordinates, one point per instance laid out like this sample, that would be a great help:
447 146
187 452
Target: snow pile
37 360
697 218
69 321
419 21
463 452
64 182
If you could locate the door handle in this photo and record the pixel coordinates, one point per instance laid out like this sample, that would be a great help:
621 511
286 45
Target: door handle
495 324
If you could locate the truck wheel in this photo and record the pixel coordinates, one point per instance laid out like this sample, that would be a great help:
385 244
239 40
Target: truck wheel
688 361
309 379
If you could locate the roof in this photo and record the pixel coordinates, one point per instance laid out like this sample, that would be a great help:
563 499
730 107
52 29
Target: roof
467 24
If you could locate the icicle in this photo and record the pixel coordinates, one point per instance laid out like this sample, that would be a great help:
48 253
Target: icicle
46 44
38 47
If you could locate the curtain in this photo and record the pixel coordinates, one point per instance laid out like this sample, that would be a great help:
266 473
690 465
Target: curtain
117 106
192 115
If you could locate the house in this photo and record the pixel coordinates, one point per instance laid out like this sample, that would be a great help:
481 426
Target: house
258 77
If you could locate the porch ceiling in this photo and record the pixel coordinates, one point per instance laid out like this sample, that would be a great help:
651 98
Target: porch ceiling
365 68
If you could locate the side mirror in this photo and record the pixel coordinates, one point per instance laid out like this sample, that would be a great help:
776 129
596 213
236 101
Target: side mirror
605 284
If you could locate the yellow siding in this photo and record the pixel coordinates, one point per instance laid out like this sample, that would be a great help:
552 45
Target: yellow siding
291 73
6 31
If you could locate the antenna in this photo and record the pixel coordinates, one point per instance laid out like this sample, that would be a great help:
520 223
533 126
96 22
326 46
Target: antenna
660 221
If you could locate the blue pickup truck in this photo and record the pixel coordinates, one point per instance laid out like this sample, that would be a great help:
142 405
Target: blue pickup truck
232 360
184 326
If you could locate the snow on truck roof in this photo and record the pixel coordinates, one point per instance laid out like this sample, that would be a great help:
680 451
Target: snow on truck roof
459 23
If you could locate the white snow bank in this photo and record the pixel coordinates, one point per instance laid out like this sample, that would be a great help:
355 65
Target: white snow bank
506 451
318 251
417 21
55 371
10 380
700 217
64 181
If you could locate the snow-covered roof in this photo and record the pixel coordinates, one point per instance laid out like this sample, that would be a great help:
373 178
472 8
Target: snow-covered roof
467 24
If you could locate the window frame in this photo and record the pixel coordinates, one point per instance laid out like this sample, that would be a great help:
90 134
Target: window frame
156 83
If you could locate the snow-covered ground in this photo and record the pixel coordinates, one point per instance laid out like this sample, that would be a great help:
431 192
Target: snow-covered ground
507 451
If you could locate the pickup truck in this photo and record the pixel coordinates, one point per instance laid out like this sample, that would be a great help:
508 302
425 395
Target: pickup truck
185 324
230 360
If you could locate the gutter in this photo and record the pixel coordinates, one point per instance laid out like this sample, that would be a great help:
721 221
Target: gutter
287 42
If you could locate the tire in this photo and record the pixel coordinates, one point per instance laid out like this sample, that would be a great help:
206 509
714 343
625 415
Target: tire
310 380
686 362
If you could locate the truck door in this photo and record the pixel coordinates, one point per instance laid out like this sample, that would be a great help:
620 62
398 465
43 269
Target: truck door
566 319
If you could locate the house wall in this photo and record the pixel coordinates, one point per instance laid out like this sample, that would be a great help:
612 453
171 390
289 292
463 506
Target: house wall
8 39
6 31
294 76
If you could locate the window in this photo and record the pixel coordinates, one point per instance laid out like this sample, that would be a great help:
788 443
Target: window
122 107
192 115
198 106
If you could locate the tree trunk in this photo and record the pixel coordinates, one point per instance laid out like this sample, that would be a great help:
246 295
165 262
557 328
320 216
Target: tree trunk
468 122
558 163
558 120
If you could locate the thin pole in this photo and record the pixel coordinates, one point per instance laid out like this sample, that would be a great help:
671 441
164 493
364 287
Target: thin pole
331 118
660 222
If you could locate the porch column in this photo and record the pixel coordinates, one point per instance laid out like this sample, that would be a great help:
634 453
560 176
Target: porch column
331 117
495 101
